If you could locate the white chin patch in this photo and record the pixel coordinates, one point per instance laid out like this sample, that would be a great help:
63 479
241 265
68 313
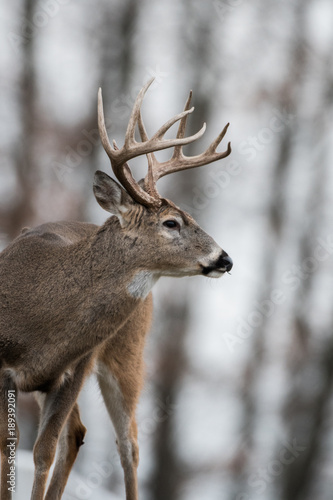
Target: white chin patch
215 274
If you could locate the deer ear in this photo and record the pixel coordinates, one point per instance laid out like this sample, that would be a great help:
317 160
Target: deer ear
110 195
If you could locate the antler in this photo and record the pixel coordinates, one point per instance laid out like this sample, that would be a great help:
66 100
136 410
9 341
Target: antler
179 161
148 194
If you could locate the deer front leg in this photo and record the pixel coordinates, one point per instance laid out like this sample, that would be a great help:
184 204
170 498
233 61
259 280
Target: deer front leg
120 377
57 405
6 444
69 443
124 424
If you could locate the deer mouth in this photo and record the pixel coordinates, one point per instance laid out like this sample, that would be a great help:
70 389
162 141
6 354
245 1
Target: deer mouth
213 272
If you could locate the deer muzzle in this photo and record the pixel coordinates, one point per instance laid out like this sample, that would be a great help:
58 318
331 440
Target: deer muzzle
222 265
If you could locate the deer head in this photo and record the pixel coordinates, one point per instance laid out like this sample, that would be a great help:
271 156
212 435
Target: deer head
168 239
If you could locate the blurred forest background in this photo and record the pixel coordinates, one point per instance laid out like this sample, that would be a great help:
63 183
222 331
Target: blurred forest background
238 403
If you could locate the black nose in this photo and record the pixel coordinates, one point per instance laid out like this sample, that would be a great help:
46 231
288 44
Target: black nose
225 261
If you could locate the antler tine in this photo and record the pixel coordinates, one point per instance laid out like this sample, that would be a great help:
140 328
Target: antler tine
165 127
130 132
182 127
216 142
149 182
142 129
101 125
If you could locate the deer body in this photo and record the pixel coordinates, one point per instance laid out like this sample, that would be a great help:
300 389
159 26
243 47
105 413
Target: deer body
58 321
74 296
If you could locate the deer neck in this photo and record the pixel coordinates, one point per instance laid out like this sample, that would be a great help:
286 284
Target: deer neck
116 265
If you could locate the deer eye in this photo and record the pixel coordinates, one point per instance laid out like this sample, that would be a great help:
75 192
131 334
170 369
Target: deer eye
171 224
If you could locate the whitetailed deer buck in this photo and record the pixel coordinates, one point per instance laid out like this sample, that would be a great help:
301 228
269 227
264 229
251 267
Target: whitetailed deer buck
74 296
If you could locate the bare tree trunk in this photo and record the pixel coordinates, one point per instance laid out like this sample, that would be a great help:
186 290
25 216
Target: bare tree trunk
167 474
308 402
116 39
21 212
275 224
